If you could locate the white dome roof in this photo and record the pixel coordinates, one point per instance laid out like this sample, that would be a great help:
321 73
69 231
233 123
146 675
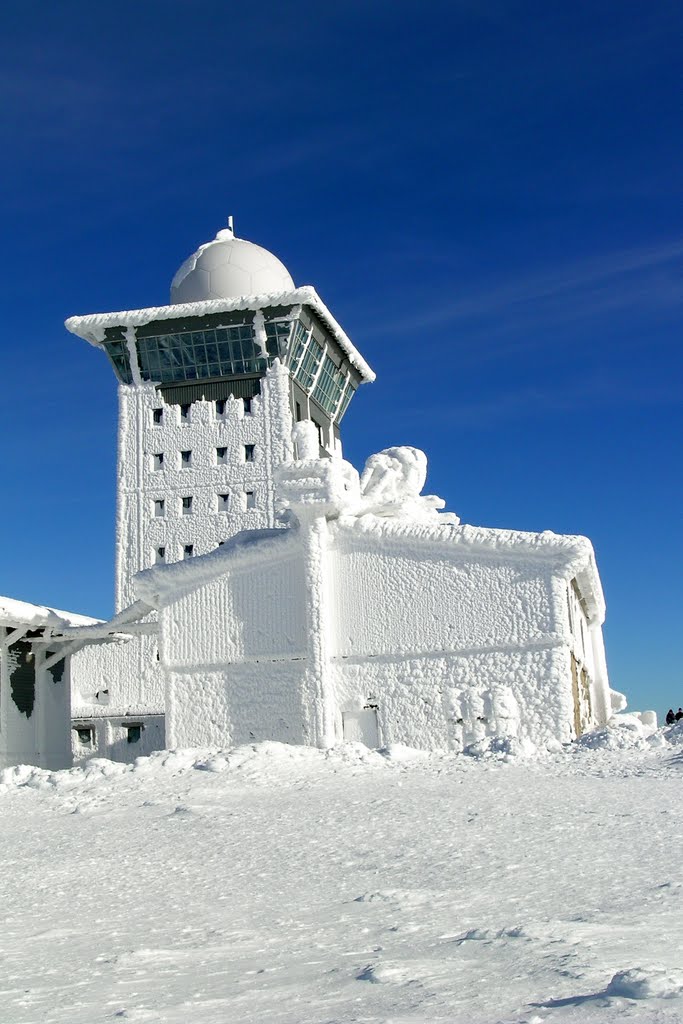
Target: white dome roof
227 268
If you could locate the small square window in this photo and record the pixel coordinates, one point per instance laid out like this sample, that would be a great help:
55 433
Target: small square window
158 460
220 407
223 502
187 506
221 456
186 459
249 499
158 416
247 406
160 555
185 413
159 507
134 733
188 550
249 452
86 735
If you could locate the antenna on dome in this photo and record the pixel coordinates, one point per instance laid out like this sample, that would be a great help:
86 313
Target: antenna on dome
231 226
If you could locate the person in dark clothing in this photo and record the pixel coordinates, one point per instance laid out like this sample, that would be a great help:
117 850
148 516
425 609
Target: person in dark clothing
679 714
670 717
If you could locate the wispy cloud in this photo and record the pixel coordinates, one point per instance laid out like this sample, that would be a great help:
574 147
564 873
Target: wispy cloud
590 287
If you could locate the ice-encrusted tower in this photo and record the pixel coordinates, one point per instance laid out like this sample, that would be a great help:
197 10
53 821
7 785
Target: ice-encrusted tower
209 389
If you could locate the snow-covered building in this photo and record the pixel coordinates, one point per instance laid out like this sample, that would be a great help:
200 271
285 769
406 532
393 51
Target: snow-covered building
376 618
263 589
209 389
35 674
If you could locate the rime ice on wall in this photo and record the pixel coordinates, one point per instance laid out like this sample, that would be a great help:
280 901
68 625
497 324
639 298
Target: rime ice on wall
175 504
441 635
191 478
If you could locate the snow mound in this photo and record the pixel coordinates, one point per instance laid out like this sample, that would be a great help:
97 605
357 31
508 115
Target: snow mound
256 762
501 748
622 732
674 734
38 778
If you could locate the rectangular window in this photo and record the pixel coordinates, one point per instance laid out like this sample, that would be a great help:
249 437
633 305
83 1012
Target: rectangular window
185 413
158 460
185 459
160 555
134 733
221 456
298 412
188 550
157 416
187 506
247 406
220 407
249 499
86 735
249 452
159 507
223 502
319 428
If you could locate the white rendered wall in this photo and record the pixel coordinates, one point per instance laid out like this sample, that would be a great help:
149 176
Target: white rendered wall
140 532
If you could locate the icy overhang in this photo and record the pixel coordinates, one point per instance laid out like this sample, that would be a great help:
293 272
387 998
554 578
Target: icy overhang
155 585
23 613
92 327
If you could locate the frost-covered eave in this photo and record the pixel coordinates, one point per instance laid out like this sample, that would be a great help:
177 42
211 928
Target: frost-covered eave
154 586
570 555
22 613
92 327
86 712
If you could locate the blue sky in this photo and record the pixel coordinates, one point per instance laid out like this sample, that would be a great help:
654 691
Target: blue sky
487 196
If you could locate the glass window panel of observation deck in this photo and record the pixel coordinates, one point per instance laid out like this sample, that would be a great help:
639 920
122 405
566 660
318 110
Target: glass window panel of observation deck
309 363
298 346
348 395
329 386
222 352
277 338
118 353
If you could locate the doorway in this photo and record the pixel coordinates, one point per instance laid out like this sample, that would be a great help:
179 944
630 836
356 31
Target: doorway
361 727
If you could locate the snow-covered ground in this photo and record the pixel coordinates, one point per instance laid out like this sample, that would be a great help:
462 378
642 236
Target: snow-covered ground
286 884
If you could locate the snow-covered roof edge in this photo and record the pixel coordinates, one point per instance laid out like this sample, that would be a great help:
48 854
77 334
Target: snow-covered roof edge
572 555
26 614
92 326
